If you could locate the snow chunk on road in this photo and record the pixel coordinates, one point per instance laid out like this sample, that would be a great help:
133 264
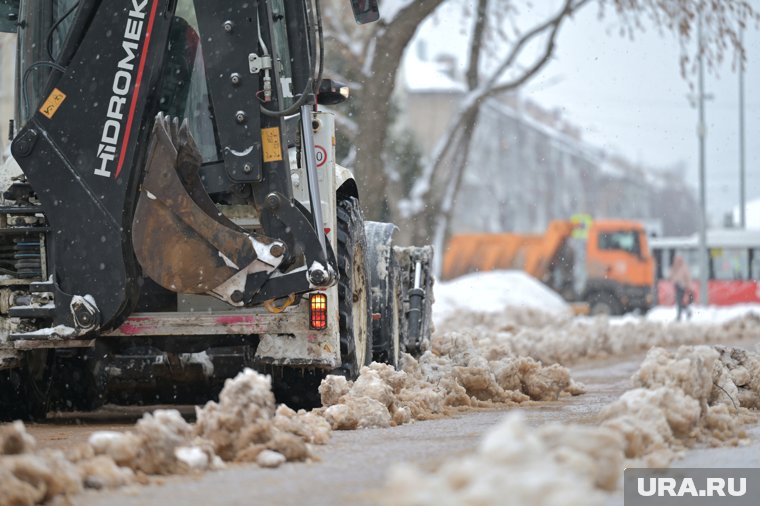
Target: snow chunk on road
30 478
513 465
683 397
242 417
161 433
268 458
14 439
311 427
495 292
742 368
101 472
244 422
452 374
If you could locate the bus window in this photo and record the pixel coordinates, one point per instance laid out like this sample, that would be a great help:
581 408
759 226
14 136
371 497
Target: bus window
729 264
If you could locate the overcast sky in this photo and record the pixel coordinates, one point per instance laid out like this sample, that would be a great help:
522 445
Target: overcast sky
629 96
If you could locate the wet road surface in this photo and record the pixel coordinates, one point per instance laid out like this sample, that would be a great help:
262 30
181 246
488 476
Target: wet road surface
355 463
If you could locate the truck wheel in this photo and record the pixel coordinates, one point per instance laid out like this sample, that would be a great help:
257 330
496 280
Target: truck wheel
385 294
603 303
25 390
353 290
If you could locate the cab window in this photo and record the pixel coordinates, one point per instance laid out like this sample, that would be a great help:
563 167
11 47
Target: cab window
623 240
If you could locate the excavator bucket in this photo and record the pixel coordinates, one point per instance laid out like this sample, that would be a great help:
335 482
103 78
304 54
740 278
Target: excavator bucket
182 241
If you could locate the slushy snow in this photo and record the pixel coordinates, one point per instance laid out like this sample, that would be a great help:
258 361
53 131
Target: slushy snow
453 374
243 426
677 404
516 465
555 339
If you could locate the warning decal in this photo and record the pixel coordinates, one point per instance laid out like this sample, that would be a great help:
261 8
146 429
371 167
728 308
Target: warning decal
53 102
270 142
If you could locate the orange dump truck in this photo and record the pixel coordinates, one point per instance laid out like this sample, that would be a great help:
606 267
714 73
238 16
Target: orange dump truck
604 263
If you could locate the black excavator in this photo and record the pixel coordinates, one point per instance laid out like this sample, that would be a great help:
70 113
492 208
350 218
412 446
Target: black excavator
172 211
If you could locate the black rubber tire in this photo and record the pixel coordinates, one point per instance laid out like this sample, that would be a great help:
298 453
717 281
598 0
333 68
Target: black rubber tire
80 381
604 303
353 290
25 390
12 405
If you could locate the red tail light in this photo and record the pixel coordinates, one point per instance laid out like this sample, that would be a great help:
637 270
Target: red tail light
318 311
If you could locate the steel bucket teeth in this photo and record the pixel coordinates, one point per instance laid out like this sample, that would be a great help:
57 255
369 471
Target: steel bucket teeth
180 238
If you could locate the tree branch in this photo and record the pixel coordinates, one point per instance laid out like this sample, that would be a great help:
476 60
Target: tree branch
476 44
568 8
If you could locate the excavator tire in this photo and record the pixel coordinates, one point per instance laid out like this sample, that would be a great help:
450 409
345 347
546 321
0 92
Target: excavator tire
25 390
354 305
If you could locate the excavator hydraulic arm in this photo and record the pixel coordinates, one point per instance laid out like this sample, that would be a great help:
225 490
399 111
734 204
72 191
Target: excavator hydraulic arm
122 185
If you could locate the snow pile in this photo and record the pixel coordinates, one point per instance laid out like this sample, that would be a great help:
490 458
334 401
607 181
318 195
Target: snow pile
495 292
681 399
244 423
552 339
242 426
555 465
452 374
28 478
684 397
742 368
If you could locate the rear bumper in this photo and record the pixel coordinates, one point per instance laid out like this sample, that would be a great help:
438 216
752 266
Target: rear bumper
283 338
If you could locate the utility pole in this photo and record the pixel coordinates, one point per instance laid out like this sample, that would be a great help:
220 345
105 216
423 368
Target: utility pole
702 133
742 160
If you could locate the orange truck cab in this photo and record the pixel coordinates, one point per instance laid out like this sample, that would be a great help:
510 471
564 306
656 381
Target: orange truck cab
605 263
619 266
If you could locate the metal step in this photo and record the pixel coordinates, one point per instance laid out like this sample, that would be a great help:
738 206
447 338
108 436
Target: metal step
46 311
42 286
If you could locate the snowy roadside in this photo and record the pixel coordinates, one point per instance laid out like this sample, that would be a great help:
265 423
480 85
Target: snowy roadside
695 396
504 359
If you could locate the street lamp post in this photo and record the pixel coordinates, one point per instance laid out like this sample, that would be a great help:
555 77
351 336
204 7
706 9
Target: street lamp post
702 133
742 160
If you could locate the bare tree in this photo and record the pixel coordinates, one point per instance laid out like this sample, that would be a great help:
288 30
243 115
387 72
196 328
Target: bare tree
431 200
370 59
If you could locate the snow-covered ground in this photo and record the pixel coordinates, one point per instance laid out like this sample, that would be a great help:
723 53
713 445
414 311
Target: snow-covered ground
498 291
493 292
704 314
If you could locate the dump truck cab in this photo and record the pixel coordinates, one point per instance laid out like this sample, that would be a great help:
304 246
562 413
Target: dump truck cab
619 268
